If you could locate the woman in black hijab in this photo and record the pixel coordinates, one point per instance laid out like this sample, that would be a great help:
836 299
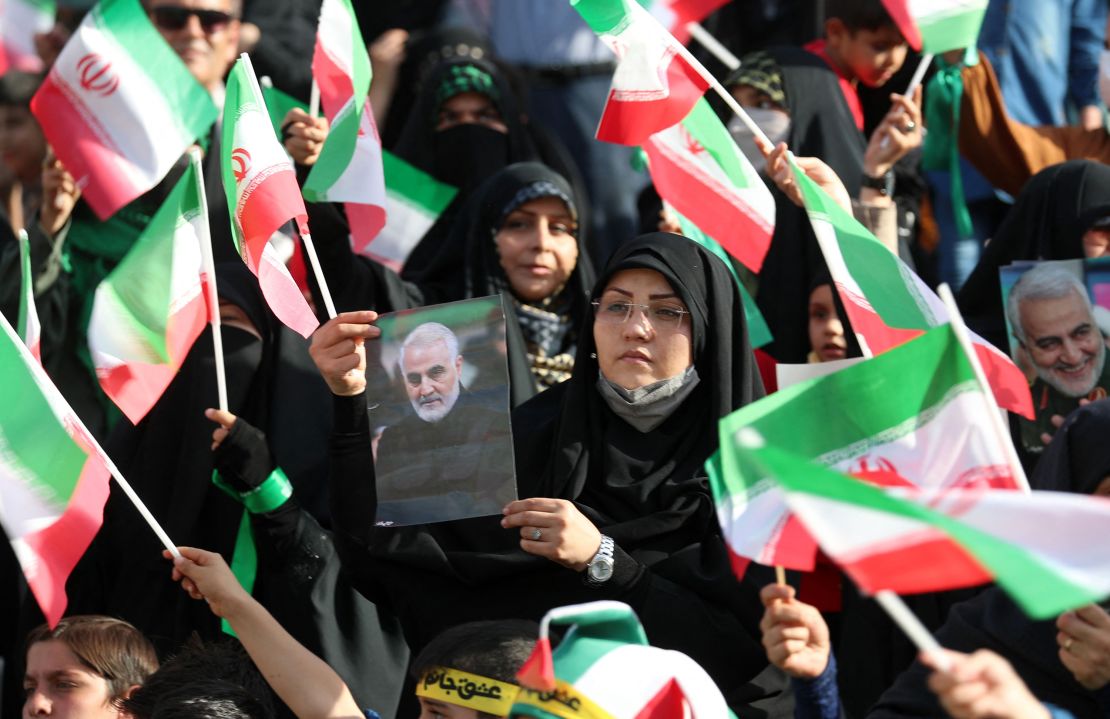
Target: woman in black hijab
543 272
1077 460
1056 217
617 450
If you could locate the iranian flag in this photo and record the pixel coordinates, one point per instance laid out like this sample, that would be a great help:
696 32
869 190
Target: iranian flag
915 416
698 169
676 14
937 26
655 84
20 20
29 328
262 195
151 308
53 476
911 541
414 201
887 304
349 168
119 107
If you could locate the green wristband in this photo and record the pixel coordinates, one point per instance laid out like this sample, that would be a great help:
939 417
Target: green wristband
266 497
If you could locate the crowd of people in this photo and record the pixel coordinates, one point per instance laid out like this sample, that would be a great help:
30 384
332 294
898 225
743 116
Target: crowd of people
626 343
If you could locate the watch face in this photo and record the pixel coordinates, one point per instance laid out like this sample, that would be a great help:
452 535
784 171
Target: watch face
600 571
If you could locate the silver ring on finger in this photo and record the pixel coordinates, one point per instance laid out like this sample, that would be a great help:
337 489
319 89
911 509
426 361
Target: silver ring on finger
537 534
910 126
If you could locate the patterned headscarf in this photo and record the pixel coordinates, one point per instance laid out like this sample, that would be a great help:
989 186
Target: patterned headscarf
759 70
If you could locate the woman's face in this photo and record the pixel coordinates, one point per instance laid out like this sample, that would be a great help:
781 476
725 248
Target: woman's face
22 144
59 686
538 248
1096 242
642 349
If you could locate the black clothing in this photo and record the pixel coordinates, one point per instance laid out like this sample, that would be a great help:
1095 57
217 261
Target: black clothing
648 491
821 125
1047 222
1076 460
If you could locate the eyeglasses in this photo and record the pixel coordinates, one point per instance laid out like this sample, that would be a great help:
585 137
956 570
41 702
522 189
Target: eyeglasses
662 316
175 17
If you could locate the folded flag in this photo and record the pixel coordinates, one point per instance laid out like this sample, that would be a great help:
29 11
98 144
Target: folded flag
414 201
676 14
29 328
887 304
119 107
698 169
262 195
937 26
911 541
20 21
349 168
654 85
53 476
915 416
151 308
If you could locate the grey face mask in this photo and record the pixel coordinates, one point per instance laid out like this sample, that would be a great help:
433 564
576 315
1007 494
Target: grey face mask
774 123
647 407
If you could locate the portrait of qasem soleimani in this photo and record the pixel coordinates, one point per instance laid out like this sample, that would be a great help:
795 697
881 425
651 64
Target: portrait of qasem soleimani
442 438
1059 338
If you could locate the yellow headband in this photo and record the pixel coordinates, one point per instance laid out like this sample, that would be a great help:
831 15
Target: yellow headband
565 702
467 690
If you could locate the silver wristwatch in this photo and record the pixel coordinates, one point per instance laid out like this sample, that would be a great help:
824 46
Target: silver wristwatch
600 567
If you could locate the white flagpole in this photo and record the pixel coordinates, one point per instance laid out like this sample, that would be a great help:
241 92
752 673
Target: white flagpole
908 622
314 100
210 284
994 413
713 45
310 249
45 381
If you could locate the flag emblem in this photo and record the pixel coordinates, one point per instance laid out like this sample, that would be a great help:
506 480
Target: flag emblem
96 75
241 159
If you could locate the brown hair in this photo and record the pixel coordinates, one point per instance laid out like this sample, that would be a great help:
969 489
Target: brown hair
110 647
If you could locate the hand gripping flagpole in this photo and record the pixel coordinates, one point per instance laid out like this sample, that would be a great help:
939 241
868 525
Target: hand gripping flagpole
86 436
918 76
994 413
310 249
210 283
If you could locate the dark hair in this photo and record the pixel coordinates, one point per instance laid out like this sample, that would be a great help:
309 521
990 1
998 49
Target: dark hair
196 665
17 88
209 699
859 14
110 647
493 649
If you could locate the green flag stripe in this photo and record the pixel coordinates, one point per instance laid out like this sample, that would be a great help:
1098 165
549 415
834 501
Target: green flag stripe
905 398
336 155
605 17
30 434
1041 591
874 268
417 187
704 126
278 105
25 282
950 31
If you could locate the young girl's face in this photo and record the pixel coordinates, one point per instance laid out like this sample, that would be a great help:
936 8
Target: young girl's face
826 333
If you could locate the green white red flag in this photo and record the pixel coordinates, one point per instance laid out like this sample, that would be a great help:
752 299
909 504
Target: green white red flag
151 308
53 476
119 107
30 330
937 26
262 195
698 169
915 416
654 85
887 304
911 541
20 21
349 168
676 14
414 201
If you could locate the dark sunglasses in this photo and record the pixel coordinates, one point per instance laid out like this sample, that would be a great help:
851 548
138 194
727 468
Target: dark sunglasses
172 17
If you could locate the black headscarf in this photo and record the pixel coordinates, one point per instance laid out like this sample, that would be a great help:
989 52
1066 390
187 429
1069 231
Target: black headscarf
1047 222
464 156
821 125
1076 460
